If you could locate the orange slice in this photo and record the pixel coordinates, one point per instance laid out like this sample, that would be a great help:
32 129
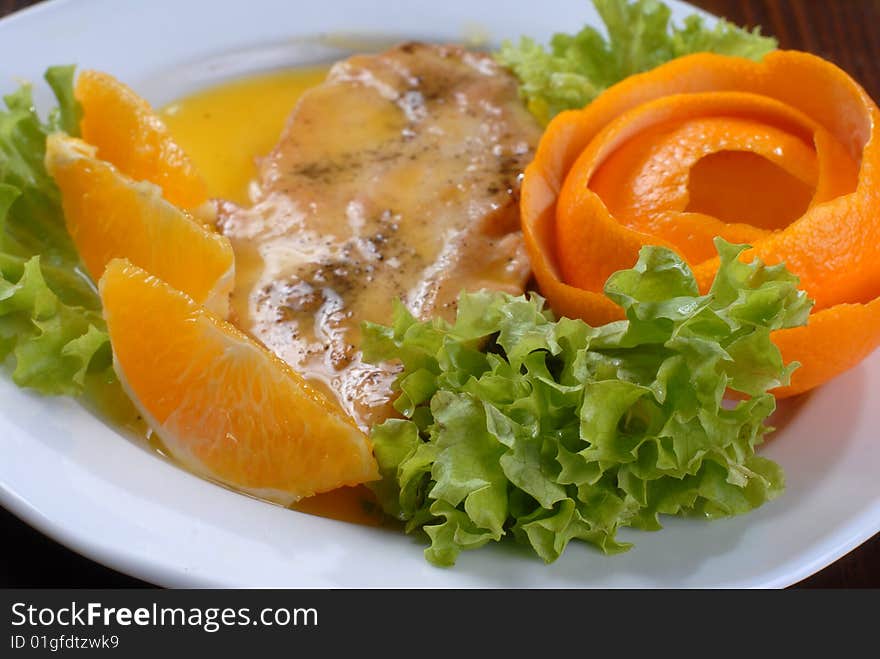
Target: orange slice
128 133
224 406
109 215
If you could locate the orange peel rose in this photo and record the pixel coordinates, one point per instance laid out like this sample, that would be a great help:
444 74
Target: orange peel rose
781 154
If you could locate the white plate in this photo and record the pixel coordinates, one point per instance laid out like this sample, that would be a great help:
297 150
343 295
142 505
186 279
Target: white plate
76 479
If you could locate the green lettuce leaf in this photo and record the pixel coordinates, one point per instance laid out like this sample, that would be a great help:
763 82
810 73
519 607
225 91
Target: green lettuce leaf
50 314
519 425
575 68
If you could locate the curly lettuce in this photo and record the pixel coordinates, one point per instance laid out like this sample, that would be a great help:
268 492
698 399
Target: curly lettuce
51 328
517 424
575 68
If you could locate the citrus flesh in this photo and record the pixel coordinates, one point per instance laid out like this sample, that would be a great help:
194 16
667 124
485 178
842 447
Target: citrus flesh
128 133
222 405
109 215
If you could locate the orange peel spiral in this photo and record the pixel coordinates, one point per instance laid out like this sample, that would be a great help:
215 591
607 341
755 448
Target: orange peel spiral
782 154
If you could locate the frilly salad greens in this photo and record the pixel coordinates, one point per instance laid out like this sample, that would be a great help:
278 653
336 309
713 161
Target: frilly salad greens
519 424
51 327
575 68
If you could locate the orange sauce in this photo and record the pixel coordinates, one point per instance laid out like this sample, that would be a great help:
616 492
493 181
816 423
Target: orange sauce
225 129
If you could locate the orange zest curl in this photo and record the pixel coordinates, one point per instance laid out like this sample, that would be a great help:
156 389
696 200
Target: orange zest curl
782 154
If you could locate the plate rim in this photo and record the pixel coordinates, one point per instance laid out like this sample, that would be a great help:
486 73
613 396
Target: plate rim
161 574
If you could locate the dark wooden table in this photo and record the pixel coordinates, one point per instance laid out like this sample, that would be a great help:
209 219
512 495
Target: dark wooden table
846 32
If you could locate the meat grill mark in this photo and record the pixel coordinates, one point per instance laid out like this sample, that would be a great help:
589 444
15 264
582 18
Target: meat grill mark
396 178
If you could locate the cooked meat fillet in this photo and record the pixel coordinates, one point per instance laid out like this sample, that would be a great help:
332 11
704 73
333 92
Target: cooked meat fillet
396 178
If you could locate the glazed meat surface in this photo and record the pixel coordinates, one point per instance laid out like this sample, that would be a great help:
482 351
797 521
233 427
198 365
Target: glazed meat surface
395 178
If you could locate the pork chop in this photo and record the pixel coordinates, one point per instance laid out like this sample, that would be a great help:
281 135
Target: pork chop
396 178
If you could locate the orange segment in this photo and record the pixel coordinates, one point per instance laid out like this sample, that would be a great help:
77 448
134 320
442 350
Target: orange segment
223 405
668 158
108 216
127 133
